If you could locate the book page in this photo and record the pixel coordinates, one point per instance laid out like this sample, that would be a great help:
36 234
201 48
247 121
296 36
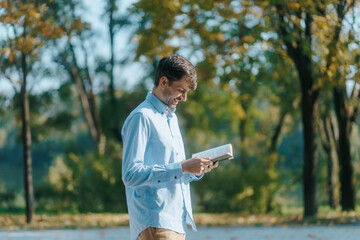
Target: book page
218 153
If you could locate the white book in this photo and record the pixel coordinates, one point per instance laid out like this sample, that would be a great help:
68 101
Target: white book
217 154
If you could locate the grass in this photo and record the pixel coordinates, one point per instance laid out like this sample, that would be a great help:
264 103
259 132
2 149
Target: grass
64 221
229 219
326 216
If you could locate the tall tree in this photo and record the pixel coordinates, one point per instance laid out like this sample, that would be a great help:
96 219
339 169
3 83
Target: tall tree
339 61
77 32
308 37
30 28
87 97
298 41
329 139
111 8
116 22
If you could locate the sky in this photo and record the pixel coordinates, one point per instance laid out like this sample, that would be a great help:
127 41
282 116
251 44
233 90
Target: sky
125 77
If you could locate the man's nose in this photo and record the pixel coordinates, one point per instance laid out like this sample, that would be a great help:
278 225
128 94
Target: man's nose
184 96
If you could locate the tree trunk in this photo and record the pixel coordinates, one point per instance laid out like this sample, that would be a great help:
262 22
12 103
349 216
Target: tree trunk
309 99
272 161
275 136
347 181
88 100
243 155
115 129
85 103
94 111
26 141
298 49
112 59
76 78
329 146
310 153
90 94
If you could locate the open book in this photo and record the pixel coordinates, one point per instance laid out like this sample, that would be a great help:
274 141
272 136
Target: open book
217 154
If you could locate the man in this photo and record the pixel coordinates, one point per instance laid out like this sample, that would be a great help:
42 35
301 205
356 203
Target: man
155 171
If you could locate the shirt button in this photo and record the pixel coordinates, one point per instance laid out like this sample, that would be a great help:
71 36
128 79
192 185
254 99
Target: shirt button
158 181
175 177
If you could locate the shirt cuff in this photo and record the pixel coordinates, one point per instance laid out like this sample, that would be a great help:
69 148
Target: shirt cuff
196 177
192 177
174 170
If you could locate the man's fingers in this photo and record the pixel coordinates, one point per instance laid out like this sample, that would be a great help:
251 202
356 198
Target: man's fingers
205 161
198 165
211 166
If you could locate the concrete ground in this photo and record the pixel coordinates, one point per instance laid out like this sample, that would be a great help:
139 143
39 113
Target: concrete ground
338 232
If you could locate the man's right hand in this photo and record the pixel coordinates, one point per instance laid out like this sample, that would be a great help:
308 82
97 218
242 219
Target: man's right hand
197 165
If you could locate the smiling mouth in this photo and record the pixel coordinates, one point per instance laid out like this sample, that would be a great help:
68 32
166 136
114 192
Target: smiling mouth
175 101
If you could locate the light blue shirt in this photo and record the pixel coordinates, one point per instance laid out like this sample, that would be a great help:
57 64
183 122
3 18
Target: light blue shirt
157 191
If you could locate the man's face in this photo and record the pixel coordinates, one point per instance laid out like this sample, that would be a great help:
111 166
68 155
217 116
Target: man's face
175 92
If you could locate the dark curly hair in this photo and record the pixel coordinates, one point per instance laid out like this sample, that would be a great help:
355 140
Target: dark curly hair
175 67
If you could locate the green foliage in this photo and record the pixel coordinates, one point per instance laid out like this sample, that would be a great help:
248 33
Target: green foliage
31 25
52 114
7 198
230 189
209 117
83 183
112 120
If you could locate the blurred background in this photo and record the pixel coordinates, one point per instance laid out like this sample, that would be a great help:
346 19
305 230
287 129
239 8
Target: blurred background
278 80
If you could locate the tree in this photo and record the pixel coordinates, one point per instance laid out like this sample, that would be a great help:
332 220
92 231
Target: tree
77 31
115 23
339 59
111 8
298 42
329 138
309 38
28 28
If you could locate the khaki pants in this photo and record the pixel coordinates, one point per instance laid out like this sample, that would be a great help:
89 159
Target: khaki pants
160 234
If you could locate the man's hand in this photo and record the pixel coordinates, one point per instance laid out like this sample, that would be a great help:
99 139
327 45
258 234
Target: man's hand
198 165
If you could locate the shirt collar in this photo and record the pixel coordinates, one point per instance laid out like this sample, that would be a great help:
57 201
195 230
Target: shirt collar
160 106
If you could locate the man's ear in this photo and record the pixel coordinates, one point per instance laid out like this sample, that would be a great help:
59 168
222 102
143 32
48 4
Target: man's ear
163 82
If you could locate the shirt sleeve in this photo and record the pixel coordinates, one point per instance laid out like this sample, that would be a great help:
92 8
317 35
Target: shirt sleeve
192 177
136 132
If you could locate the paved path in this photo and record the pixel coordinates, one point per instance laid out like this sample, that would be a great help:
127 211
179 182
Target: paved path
351 232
